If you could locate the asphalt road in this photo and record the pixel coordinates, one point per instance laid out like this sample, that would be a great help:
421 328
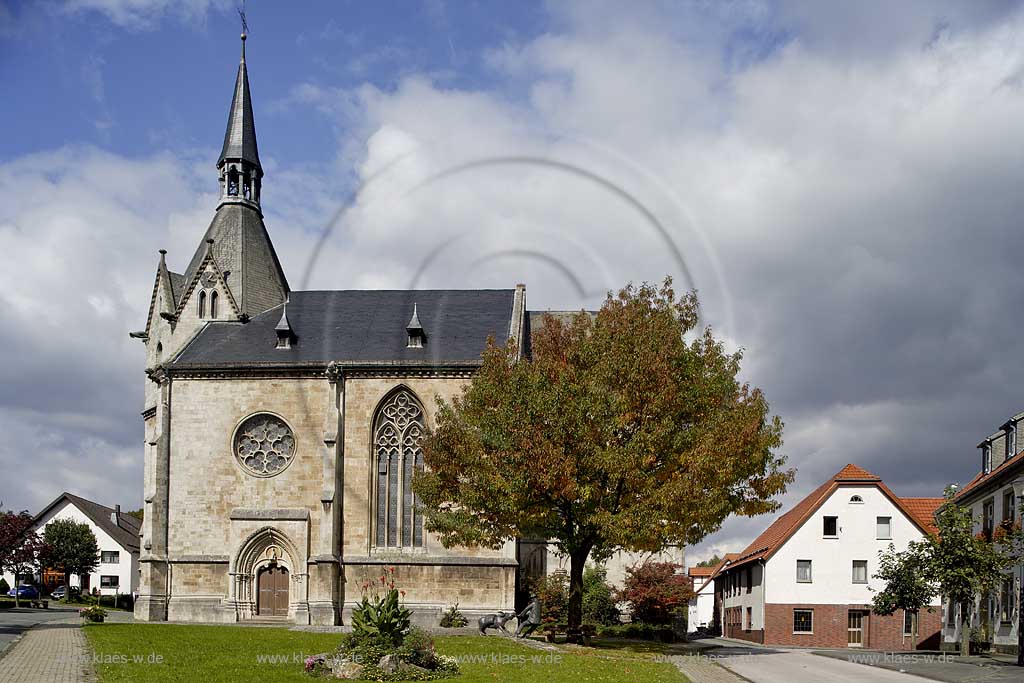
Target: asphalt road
15 621
762 665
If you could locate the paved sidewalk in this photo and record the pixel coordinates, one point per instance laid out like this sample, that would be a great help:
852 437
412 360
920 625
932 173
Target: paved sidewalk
54 652
702 669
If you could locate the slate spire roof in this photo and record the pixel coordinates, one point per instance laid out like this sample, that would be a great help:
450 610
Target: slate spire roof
240 135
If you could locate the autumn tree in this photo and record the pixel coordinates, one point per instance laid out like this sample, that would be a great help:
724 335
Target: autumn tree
625 430
908 583
656 591
710 562
20 546
70 548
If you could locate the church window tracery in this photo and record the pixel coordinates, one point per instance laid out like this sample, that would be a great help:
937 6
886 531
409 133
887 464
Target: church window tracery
264 445
397 433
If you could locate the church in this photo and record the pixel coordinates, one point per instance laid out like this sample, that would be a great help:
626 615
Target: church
282 428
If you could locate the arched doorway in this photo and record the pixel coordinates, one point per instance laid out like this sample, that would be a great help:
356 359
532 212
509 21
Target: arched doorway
272 591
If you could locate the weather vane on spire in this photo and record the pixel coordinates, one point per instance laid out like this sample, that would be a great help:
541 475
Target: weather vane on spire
241 15
245 27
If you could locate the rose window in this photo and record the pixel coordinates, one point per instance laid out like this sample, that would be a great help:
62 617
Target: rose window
264 445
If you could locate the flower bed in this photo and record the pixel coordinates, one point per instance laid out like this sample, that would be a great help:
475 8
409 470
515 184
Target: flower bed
94 613
383 646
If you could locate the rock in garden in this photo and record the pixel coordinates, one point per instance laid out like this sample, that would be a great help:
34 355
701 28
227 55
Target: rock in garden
389 663
345 669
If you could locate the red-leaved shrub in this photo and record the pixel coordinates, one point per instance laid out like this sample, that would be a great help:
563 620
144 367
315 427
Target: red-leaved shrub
656 591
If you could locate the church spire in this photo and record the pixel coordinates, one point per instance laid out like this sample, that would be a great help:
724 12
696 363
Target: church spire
239 163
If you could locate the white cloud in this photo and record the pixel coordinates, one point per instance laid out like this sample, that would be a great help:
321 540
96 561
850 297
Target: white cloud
850 215
144 14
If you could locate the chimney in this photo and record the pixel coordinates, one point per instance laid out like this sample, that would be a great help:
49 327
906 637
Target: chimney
115 514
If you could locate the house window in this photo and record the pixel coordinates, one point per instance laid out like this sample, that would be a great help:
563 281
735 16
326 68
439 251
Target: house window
988 515
750 618
883 528
108 581
830 527
803 621
202 305
860 571
398 430
856 500
1006 602
951 615
1009 506
909 622
803 571
110 557
213 304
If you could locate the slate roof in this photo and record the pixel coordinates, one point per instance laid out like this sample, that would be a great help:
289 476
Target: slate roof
125 531
240 134
242 246
765 545
359 326
178 283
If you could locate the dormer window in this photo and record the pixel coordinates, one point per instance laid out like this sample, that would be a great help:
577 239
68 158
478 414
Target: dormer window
856 500
417 335
986 458
1011 441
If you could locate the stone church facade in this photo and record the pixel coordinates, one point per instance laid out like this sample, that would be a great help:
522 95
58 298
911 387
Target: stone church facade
282 427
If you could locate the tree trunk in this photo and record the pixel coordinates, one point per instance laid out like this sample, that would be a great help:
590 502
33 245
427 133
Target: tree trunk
67 586
16 603
965 636
577 561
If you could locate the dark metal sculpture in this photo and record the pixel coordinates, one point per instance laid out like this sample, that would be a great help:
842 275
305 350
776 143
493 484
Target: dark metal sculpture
529 618
497 621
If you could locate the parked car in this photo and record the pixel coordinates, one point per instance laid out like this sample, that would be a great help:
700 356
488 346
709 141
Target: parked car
60 591
24 592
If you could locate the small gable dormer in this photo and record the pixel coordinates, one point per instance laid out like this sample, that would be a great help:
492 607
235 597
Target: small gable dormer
284 331
417 336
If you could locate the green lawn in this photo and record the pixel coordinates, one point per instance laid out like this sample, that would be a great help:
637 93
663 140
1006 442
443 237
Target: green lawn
227 654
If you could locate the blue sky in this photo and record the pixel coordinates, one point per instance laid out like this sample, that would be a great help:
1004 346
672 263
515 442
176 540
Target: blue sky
841 180
165 80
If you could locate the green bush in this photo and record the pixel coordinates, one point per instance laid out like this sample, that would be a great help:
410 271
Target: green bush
380 627
598 598
381 619
453 618
638 631
553 592
4 587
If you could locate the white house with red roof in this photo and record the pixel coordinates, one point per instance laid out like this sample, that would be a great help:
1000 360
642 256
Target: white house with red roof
117 539
701 611
808 579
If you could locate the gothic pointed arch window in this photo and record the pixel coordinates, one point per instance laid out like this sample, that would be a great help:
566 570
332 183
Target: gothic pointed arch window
202 305
213 304
397 431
